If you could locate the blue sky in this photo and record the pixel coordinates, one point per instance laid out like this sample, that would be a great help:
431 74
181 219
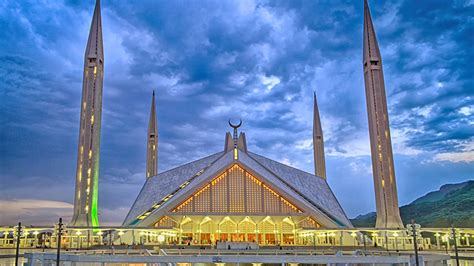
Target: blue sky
213 60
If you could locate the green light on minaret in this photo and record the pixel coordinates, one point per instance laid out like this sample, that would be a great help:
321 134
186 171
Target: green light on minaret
95 195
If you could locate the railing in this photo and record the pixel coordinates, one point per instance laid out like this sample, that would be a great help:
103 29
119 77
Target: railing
230 257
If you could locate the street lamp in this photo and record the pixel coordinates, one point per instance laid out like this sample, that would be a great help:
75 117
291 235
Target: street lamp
454 234
120 233
354 235
79 242
413 230
396 241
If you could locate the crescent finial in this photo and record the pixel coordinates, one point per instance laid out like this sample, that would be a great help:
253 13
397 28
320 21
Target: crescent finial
235 126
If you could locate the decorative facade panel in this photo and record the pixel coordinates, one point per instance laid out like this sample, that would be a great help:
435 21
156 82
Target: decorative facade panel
236 191
166 222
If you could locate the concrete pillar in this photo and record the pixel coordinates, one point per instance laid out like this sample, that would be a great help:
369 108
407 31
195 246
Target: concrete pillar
256 233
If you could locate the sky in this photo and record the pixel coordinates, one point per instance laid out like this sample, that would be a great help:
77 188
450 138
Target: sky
209 61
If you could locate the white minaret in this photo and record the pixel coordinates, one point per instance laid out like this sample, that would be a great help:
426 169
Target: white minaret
152 143
318 143
386 199
87 173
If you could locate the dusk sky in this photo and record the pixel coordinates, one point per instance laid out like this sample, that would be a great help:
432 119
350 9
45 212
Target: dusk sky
209 61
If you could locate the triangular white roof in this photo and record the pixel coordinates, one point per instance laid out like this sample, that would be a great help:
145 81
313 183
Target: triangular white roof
169 188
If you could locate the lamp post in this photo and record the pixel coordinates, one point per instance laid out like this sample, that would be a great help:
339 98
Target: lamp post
354 235
59 232
396 241
453 232
365 245
79 240
437 235
413 231
19 232
120 233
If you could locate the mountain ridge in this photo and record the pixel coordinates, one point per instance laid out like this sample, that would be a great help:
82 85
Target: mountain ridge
450 204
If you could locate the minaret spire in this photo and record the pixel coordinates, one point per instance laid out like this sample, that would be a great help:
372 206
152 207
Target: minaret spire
152 142
386 199
318 142
87 173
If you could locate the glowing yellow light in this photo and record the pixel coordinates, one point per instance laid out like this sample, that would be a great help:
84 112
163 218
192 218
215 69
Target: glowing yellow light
100 233
90 154
35 233
236 154
92 119
95 71
121 233
383 183
78 233
353 234
89 172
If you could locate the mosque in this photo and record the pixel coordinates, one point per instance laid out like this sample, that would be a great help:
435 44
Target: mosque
235 194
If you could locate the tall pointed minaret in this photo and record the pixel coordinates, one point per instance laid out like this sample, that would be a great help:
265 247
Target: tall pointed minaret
87 174
318 143
386 199
152 143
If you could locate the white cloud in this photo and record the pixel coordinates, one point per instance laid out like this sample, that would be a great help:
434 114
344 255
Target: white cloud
466 110
465 155
33 211
269 82
399 143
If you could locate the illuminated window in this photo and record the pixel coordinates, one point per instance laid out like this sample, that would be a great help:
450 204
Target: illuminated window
236 154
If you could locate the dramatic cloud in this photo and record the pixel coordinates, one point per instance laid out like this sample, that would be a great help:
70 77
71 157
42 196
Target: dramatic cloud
209 61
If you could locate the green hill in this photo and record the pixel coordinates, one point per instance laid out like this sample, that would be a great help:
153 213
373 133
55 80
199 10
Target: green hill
451 204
